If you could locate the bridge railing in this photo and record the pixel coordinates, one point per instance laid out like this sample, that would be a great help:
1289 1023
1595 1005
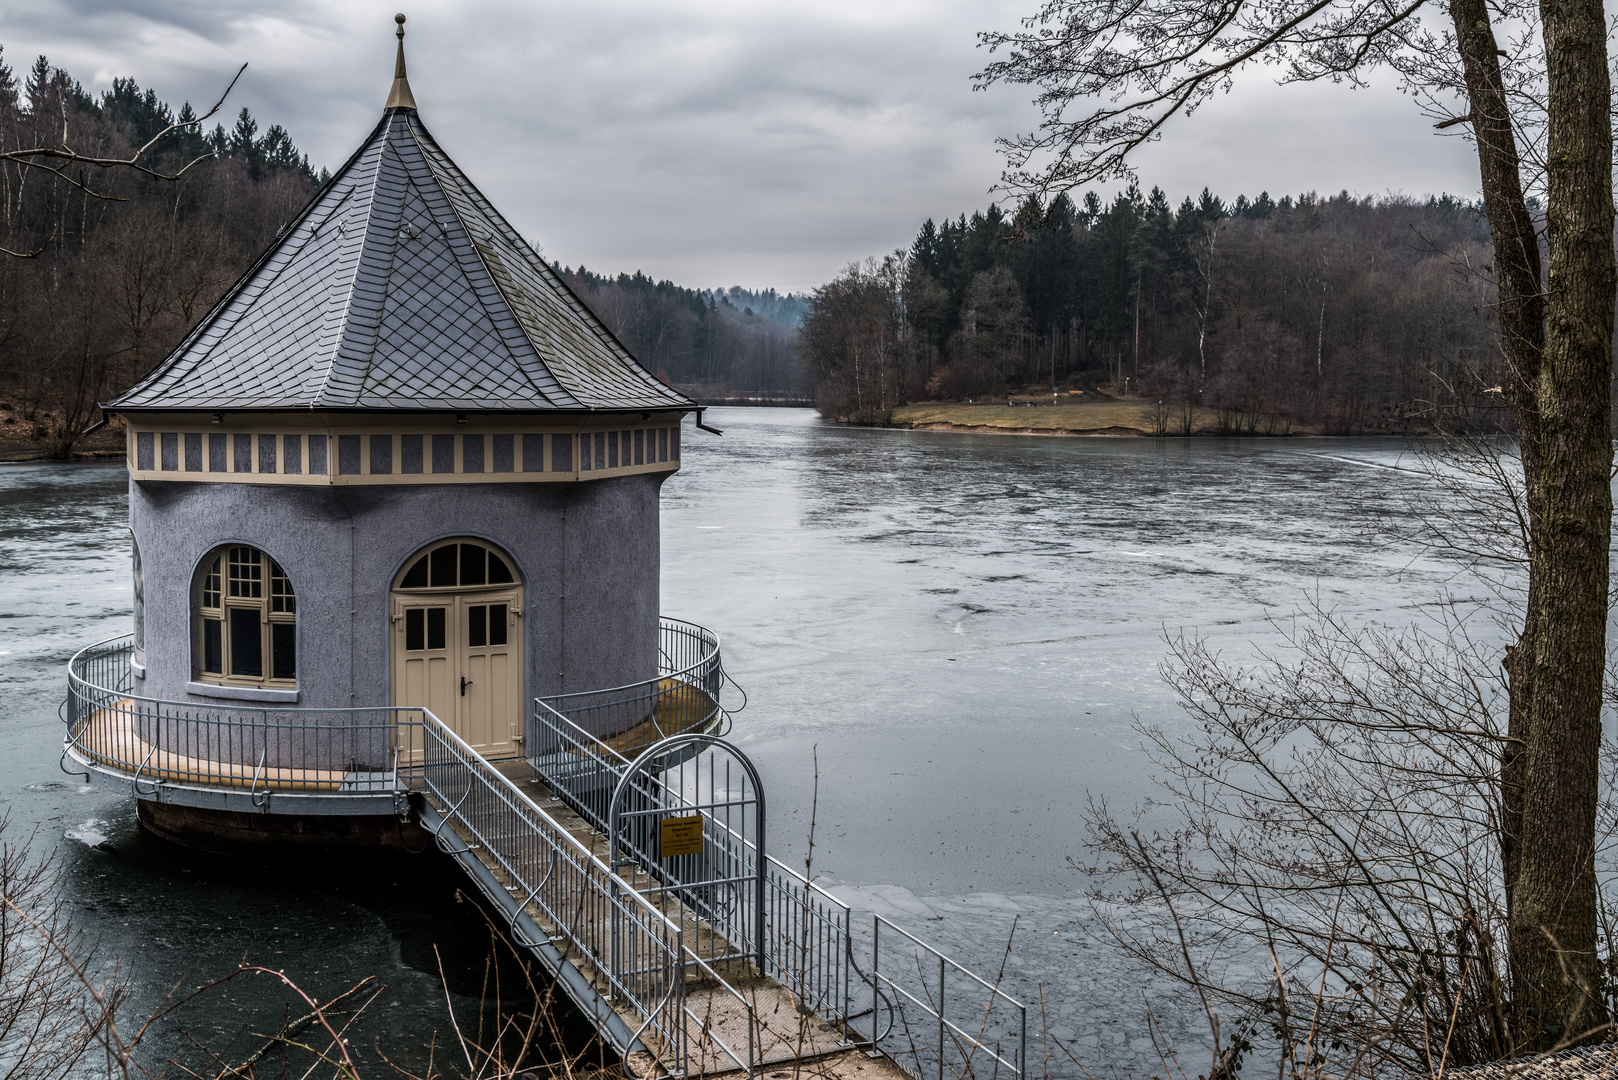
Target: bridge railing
936 1018
604 924
583 746
640 956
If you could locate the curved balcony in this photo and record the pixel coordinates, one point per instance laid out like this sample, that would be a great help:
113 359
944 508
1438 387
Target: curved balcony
355 761
582 744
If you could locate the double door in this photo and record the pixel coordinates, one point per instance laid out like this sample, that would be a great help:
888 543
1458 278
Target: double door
460 656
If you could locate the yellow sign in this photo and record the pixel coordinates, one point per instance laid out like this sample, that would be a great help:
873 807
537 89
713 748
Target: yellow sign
680 836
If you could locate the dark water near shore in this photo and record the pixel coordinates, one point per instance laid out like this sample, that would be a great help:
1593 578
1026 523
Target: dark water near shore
961 627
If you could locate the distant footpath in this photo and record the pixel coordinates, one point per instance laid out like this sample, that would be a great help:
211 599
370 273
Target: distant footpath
1120 417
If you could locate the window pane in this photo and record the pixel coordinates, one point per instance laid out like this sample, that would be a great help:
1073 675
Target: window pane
417 577
444 566
246 573
497 624
283 651
415 628
471 564
435 628
210 586
246 643
281 597
499 572
212 647
477 626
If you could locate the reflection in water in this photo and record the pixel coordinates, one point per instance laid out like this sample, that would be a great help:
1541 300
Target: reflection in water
961 626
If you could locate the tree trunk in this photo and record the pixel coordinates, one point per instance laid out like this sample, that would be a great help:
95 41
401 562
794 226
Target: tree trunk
1522 342
1553 926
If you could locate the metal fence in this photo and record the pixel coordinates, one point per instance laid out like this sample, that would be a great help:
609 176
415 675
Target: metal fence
606 925
640 957
928 1013
683 696
584 746
268 752
936 1018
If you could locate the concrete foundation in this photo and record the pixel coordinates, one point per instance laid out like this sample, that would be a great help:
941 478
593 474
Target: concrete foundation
227 832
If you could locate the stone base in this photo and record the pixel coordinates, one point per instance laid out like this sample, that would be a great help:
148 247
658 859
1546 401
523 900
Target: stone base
228 832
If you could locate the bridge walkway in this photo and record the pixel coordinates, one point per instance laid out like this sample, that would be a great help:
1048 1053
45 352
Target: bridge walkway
740 1009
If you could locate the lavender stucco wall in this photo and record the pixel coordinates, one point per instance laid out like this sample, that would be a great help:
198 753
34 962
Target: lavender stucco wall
588 556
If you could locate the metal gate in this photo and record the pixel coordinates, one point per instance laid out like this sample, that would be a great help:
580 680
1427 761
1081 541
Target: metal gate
686 818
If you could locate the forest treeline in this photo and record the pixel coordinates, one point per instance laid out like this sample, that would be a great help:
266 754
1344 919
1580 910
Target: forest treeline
1348 313
711 343
126 263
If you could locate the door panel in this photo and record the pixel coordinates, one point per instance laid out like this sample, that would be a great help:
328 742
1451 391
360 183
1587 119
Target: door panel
423 659
459 655
490 716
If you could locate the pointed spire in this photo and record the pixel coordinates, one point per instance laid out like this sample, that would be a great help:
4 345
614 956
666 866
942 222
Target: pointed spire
400 96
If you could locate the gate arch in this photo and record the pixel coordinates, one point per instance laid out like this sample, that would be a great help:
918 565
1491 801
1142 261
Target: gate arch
722 883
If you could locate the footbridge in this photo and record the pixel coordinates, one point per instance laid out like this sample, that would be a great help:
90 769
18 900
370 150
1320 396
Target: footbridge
626 850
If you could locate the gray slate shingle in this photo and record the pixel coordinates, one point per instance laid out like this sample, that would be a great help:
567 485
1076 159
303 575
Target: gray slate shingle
401 287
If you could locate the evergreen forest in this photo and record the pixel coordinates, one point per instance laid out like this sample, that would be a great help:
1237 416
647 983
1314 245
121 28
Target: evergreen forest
122 264
1348 314
715 344
1344 313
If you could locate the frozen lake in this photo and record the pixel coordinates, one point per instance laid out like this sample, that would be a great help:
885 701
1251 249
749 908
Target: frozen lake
960 626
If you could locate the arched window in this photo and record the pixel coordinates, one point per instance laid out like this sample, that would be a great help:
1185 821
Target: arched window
247 620
140 605
457 566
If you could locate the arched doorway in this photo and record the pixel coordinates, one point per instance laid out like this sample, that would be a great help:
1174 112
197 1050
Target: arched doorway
456 610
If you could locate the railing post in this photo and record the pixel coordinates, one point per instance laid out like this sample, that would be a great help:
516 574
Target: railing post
940 1016
1022 1051
612 933
876 973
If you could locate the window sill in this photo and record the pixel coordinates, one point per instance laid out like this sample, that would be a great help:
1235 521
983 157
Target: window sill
239 693
137 670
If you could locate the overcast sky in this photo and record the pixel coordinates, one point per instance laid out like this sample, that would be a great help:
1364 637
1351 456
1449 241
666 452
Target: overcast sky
760 143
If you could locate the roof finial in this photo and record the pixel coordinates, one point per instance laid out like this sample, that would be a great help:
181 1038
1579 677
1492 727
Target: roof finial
400 96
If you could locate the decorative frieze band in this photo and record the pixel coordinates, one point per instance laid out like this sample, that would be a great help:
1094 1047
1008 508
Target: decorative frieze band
171 452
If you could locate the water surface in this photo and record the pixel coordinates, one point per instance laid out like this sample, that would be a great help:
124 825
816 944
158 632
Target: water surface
961 628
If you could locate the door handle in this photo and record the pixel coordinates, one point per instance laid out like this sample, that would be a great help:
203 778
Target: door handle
465 682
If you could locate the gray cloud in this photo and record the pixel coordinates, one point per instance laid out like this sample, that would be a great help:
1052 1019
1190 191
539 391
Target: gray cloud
761 143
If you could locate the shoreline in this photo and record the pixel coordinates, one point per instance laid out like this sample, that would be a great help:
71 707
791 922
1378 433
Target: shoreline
1104 419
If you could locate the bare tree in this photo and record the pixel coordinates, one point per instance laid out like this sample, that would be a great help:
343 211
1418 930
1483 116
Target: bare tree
1111 74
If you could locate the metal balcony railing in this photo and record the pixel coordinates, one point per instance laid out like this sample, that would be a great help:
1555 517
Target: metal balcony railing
269 753
642 928
327 754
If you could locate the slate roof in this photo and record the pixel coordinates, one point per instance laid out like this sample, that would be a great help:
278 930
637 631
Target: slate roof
400 287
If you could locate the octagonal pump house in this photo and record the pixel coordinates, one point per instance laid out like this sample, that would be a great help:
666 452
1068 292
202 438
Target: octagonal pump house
400 465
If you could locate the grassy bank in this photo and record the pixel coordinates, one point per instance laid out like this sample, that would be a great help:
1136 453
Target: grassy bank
1039 416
